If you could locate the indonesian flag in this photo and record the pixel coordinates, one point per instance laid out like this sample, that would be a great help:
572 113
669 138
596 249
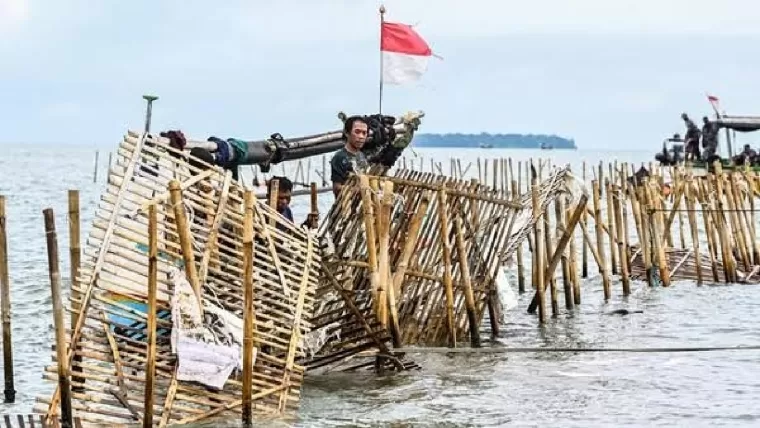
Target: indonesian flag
714 102
405 53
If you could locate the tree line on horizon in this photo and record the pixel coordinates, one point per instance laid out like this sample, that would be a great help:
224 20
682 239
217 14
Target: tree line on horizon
527 141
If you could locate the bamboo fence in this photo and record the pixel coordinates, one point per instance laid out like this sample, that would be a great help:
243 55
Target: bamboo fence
199 216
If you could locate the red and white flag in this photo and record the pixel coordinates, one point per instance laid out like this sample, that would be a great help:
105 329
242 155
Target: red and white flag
405 53
714 102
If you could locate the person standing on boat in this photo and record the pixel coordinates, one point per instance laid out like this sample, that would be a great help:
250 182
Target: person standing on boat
691 140
349 159
747 155
709 139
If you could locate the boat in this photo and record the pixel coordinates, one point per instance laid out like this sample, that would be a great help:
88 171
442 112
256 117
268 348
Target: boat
673 148
486 146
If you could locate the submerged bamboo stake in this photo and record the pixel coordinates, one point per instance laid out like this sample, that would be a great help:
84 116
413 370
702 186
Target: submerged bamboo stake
465 274
538 258
549 275
622 241
566 280
561 244
248 308
385 262
150 370
446 256
519 252
709 231
584 245
383 207
600 240
611 226
655 210
5 295
689 194
369 230
75 254
60 327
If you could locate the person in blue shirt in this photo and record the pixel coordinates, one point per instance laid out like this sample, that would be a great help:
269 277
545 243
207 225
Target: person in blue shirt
284 191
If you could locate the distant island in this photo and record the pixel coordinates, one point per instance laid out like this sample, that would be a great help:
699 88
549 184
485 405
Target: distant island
498 141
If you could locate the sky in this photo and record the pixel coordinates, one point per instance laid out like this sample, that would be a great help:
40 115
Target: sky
609 74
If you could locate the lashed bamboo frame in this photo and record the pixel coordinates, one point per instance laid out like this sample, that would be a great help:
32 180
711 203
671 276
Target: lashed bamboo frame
441 241
115 266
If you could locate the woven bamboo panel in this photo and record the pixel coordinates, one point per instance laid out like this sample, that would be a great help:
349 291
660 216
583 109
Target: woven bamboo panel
416 254
108 373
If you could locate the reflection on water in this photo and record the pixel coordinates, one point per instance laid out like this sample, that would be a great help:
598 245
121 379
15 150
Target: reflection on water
572 389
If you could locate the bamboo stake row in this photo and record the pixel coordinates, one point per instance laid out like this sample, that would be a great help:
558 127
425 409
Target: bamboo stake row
640 233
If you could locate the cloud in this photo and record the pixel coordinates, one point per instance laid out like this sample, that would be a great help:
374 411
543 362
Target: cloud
342 20
13 14
63 110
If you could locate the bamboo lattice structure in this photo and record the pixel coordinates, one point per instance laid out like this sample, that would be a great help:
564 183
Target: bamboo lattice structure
200 216
414 259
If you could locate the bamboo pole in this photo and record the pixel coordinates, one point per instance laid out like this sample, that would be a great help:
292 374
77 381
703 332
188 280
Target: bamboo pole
566 278
709 230
584 245
556 257
538 258
662 261
60 327
464 269
736 224
382 262
274 192
313 219
600 240
5 295
753 228
150 370
383 214
95 168
370 233
387 276
446 256
611 225
75 254
549 275
574 274
622 241
185 239
689 194
248 308
519 252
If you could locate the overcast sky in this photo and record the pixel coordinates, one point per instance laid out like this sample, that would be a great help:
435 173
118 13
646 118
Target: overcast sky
611 74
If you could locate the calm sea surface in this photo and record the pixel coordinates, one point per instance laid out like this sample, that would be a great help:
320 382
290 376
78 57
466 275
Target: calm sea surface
540 389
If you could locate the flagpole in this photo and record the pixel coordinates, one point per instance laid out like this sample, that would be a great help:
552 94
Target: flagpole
382 19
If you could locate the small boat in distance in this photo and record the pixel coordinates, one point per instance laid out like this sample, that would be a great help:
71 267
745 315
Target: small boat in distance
486 146
545 146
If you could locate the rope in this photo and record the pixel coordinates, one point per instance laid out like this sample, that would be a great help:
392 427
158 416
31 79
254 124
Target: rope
498 350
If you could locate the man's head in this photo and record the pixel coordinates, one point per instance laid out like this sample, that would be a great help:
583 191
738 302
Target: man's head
705 120
284 190
747 148
355 131
684 116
